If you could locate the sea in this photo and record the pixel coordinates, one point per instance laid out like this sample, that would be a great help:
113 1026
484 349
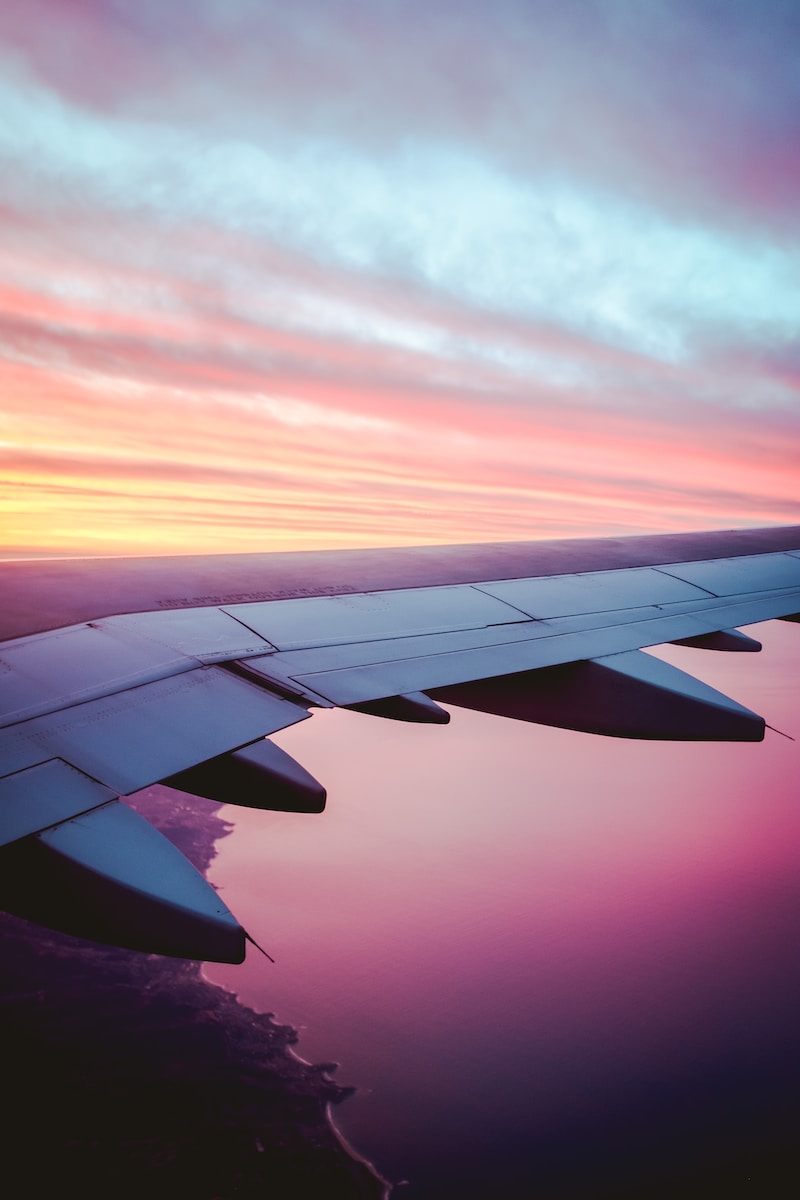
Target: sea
553 964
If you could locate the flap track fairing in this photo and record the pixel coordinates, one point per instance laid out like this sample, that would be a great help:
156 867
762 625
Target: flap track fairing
630 695
108 875
723 639
260 775
413 706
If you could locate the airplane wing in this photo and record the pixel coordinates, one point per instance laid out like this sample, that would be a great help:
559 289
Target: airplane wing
116 674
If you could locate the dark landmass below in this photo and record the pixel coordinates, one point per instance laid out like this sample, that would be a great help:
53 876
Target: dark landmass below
129 1075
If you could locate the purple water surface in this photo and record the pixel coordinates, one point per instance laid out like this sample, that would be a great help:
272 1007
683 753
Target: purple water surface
554 964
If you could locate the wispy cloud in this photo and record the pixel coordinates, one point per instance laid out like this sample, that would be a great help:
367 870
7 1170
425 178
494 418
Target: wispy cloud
328 263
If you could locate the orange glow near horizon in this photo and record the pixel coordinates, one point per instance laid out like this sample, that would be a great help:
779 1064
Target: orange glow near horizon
101 465
230 335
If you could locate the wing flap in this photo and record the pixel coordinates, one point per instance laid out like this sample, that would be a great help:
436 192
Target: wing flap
405 665
72 665
140 736
48 671
45 795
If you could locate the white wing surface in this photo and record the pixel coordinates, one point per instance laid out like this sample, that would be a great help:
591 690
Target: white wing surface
117 674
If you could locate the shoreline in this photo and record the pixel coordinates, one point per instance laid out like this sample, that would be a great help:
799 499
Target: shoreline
322 1071
141 1077
351 1151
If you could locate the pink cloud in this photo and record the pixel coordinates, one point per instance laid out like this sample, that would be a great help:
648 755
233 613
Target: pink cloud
169 370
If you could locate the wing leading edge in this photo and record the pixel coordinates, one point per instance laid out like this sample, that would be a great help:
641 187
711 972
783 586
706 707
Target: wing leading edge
184 689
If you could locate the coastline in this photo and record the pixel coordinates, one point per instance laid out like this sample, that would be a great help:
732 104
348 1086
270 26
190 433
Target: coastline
327 1069
137 1076
320 1072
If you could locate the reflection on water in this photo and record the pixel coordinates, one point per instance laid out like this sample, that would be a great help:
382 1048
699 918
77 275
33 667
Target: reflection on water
555 964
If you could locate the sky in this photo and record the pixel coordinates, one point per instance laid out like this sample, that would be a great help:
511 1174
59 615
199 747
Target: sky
342 273
380 272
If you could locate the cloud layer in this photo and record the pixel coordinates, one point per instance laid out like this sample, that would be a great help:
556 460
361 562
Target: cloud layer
352 273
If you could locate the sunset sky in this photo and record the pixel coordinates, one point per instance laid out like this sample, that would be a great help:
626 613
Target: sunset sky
372 272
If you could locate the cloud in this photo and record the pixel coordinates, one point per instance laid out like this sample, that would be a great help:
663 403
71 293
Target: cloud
428 213
377 254
679 107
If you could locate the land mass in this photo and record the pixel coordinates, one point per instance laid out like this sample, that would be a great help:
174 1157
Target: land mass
129 1075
